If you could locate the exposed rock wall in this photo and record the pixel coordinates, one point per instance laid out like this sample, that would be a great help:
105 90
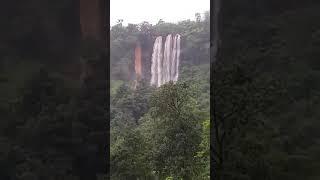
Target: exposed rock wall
146 52
137 62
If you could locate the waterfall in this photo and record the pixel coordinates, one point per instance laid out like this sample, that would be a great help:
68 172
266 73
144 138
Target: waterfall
165 67
156 66
173 63
177 57
167 59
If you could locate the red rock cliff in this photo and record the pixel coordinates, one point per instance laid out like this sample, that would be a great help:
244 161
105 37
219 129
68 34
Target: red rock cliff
137 62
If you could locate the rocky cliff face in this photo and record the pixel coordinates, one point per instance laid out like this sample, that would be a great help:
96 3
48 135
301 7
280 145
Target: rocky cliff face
145 43
137 61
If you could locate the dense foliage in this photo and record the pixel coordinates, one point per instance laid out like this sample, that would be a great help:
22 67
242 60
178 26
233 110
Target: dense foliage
161 132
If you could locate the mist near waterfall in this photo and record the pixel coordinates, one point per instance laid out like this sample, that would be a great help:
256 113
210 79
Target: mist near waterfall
165 64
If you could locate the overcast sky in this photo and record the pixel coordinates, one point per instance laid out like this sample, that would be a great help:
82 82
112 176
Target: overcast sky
136 11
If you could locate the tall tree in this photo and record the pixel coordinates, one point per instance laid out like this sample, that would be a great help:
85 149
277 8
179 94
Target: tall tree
177 131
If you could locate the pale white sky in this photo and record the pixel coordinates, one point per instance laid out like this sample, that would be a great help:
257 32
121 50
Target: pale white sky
137 11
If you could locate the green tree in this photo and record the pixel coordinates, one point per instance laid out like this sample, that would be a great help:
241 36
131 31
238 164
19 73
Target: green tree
128 156
198 17
176 136
204 153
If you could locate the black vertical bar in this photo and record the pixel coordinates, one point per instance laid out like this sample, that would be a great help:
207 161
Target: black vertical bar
106 22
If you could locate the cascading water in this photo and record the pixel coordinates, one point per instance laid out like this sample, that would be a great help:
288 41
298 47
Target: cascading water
156 66
167 59
173 63
165 67
177 57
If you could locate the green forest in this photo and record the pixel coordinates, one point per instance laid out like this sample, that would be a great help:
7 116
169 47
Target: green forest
161 132
259 112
